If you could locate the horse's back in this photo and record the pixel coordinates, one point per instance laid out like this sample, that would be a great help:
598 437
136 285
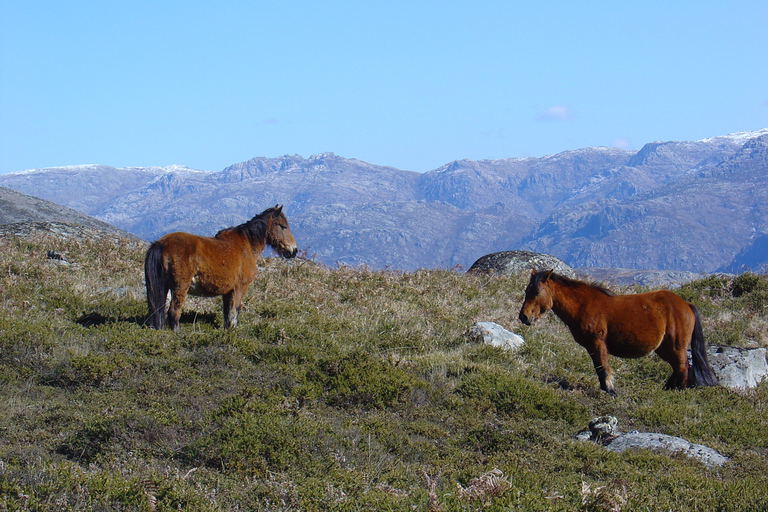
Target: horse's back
180 238
656 303
675 309
638 324
210 265
181 245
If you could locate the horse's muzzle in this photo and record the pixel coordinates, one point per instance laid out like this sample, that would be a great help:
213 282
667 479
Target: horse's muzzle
290 253
525 319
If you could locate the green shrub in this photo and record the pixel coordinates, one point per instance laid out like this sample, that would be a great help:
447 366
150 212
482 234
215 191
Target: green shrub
515 395
360 380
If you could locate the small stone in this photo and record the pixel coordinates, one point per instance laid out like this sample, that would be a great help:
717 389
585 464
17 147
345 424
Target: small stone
603 426
584 435
493 334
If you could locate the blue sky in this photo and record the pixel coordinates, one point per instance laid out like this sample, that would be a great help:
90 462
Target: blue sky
412 84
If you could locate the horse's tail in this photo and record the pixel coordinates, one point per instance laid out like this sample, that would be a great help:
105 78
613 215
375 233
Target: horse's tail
157 289
700 373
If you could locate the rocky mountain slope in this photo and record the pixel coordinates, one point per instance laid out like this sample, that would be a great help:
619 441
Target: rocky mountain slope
705 218
22 213
697 206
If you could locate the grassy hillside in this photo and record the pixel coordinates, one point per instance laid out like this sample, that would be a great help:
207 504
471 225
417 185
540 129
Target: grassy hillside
342 389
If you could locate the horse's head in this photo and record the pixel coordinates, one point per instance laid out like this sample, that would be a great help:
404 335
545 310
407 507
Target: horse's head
538 297
279 236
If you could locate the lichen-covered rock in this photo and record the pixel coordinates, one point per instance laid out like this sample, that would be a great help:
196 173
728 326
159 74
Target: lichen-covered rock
517 262
601 430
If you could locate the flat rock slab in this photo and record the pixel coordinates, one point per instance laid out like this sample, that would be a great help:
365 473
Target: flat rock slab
663 442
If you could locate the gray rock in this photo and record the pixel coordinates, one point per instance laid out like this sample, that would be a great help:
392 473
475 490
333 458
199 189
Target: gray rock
517 262
493 334
738 368
584 435
601 430
603 426
665 443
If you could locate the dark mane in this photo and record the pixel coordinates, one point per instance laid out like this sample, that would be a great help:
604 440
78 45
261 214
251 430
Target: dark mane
255 229
537 278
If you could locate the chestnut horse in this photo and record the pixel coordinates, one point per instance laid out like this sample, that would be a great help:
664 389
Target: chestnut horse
628 326
222 265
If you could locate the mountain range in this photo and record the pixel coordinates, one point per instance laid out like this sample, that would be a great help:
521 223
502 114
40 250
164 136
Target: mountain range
698 206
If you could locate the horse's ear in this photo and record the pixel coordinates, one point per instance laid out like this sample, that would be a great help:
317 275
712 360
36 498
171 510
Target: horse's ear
279 208
547 275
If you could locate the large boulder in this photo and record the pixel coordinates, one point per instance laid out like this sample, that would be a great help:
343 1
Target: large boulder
517 262
738 368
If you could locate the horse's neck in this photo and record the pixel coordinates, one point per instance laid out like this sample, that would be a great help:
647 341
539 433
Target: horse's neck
257 246
235 237
567 300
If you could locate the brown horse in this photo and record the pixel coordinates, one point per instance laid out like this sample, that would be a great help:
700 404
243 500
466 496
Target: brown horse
222 265
627 326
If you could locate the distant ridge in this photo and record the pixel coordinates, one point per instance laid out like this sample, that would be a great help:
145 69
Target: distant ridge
695 206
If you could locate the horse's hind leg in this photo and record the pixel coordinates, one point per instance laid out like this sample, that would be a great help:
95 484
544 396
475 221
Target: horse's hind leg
676 381
178 296
678 360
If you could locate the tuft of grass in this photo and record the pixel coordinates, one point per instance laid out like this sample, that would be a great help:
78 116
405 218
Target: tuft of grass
342 389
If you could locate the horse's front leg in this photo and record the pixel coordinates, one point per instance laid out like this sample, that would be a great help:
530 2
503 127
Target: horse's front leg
228 310
599 354
231 303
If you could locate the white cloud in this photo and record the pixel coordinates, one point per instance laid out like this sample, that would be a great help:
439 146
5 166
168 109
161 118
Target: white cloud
621 143
556 113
